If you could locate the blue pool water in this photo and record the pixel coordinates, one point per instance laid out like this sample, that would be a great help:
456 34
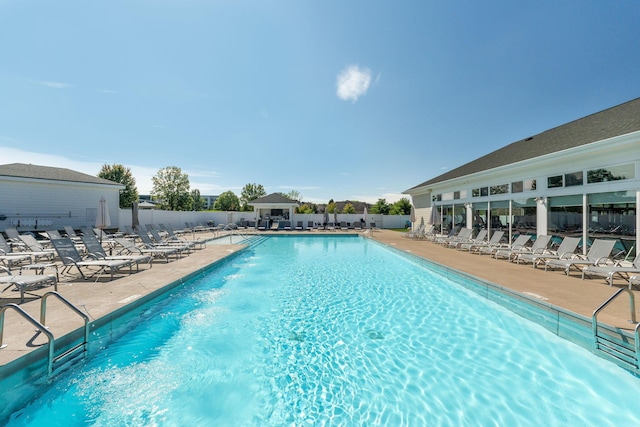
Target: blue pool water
334 331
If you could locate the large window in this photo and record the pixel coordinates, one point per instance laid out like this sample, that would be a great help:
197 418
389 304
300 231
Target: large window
565 215
524 213
500 215
612 173
613 216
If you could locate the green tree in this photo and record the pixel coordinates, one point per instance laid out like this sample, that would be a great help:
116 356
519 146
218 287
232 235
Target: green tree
381 207
227 201
307 208
197 201
171 189
401 207
348 208
249 193
332 207
294 195
120 174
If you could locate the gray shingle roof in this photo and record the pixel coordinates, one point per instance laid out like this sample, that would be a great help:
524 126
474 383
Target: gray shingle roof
22 170
615 121
274 198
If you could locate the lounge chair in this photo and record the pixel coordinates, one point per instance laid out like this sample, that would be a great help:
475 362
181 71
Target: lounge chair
538 247
95 250
71 233
71 258
299 226
25 283
331 226
493 242
36 249
274 226
598 254
310 225
565 250
480 239
343 225
444 238
129 247
412 234
149 243
286 225
634 281
9 258
262 225
197 243
617 269
464 236
518 245
357 226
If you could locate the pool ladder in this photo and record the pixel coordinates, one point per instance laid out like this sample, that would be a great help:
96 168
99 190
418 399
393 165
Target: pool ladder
53 360
614 347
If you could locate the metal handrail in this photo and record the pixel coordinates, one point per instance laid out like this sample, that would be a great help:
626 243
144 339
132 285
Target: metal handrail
35 323
632 308
43 311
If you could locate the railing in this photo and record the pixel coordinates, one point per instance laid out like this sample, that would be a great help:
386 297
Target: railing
41 326
619 350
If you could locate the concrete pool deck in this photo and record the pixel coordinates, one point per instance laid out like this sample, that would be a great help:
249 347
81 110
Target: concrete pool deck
98 299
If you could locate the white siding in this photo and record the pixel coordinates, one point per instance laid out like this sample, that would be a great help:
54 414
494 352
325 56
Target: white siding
46 205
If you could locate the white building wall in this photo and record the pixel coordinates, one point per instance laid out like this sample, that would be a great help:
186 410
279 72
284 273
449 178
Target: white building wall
44 205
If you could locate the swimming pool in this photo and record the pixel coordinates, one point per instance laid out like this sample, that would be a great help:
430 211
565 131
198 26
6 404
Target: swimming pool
334 331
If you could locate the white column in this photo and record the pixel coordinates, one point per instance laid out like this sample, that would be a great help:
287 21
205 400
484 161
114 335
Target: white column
469 212
541 216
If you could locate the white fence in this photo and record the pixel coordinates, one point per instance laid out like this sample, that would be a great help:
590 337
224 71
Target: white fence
177 219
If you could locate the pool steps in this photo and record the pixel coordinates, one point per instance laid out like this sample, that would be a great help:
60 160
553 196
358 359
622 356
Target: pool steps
617 348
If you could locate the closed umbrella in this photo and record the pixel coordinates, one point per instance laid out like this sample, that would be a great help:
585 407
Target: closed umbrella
434 218
365 215
335 217
135 218
102 219
412 217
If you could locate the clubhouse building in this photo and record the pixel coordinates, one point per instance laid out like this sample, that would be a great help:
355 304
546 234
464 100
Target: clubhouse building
579 179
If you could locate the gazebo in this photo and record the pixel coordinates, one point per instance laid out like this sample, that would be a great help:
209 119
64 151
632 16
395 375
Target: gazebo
273 207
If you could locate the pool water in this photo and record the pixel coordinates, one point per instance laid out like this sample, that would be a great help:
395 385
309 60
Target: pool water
335 331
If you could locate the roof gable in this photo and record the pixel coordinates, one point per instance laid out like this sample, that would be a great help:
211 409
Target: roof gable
273 198
22 170
615 121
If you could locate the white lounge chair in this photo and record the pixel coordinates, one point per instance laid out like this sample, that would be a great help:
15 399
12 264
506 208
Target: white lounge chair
565 250
493 242
71 258
518 245
25 283
619 268
598 254
539 246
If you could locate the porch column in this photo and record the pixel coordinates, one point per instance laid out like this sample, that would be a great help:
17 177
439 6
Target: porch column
541 216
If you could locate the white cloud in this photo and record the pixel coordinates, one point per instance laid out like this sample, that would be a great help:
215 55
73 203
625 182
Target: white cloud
55 85
353 82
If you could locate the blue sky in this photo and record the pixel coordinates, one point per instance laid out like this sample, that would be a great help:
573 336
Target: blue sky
343 100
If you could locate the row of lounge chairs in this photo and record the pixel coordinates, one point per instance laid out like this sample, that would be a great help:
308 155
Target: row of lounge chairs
84 252
597 262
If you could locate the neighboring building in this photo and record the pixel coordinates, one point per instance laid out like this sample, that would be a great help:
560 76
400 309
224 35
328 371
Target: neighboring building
44 198
581 178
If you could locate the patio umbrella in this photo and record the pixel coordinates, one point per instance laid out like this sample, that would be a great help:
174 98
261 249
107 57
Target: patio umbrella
412 217
365 215
434 218
335 217
102 218
326 218
135 218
